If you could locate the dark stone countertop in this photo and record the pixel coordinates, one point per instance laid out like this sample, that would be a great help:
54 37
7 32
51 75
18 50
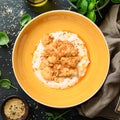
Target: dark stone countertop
10 13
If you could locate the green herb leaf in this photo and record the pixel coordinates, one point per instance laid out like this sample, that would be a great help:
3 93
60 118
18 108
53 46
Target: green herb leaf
49 118
4 39
92 15
25 19
91 5
56 116
82 6
115 1
101 2
60 116
49 114
78 4
6 83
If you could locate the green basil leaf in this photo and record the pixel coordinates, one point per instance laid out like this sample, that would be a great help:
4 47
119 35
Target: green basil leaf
25 19
82 6
4 39
115 1
49 118
89 1
5 83
101 2
49 114
92 15
91 6
79 4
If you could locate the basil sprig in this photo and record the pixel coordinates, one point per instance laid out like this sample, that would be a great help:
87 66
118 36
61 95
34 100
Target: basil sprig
6 83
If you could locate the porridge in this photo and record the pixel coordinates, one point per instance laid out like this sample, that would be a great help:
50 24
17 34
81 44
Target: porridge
60 59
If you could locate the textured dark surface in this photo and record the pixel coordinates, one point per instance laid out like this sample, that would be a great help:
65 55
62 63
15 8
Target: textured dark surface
10 13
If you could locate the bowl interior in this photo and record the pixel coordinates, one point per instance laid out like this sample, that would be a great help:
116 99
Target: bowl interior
27 41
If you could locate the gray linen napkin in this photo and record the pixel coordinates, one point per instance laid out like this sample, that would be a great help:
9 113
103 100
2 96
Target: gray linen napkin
101 103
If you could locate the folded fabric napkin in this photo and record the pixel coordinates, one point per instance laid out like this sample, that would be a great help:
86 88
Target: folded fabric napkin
103 103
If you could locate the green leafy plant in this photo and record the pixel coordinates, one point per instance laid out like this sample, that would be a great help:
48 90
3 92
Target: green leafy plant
55 116
90 7
87 7
25 19
4 39
6 83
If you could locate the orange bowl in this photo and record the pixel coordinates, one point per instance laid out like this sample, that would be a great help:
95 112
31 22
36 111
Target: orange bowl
29 38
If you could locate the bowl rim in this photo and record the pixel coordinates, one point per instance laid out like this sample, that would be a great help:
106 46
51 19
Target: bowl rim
54 11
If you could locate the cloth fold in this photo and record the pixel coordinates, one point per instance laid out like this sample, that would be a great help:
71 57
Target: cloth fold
100 102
